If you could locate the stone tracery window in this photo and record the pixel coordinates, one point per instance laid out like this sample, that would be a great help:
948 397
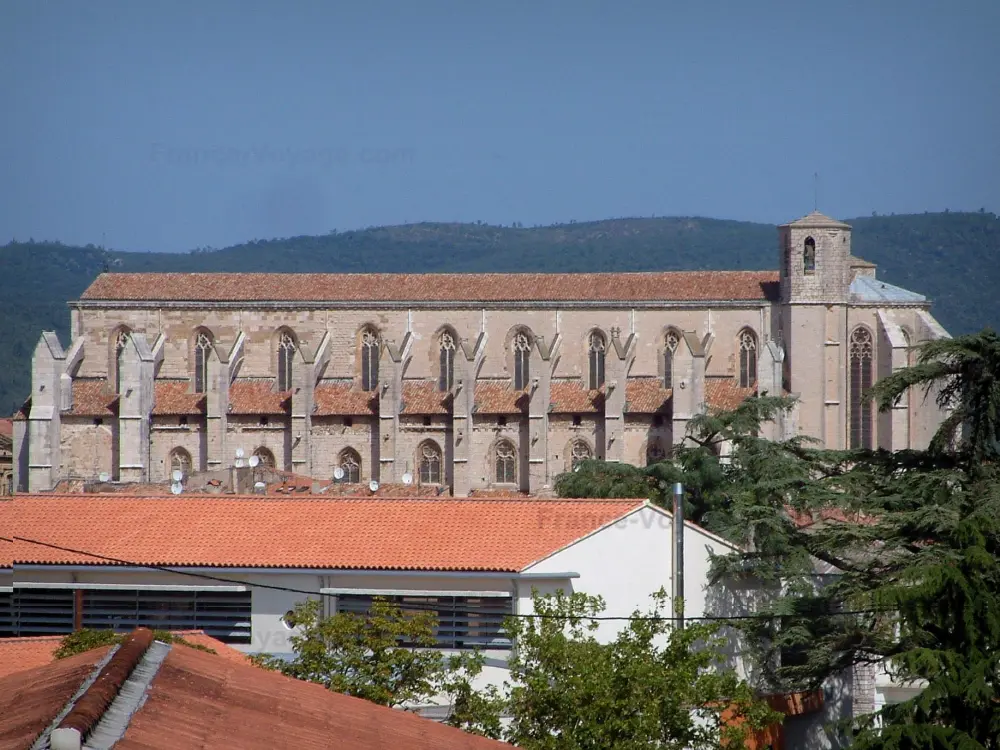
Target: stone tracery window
809 256
446 345
202 345
522 359
370 349
429 456
265 457
580 451
597 347
670 343
861 352
748 358
506 462
180 460
350 462
286 359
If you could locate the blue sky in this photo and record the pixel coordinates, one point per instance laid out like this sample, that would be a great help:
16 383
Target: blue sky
170 126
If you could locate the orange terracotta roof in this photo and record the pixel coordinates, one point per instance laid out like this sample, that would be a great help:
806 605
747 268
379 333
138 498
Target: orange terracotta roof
31 699
342 397
175 397
482 287
725 393
423 397
570 397
257 396
647 396
199 700
7 427
93 397
18 654
498 397
385 489
299 531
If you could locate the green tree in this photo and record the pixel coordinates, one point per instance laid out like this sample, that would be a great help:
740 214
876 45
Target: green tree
651 686
386 656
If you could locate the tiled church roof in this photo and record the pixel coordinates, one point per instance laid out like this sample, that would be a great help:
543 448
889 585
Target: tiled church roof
342 398
726 393
483 287
570 397
174 397
423 397
647 396
257 396
93 397
498 397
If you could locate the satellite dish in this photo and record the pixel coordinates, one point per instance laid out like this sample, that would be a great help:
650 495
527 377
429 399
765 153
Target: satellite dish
104 476
239 463
373 486
254 460
176 488
260 487
239 453
407 478
338 473
177 475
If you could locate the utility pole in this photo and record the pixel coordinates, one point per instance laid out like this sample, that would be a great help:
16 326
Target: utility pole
677 594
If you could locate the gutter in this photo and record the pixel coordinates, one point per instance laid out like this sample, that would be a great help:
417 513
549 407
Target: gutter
221 571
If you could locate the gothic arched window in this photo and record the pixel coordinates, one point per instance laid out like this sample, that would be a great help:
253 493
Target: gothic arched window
506 463
350 462
180 460
429 456
809 256
265 458
446 378
370 349
670 343
748 358
286 358
596 348
579 452
522 356
202 345
121 341
861 351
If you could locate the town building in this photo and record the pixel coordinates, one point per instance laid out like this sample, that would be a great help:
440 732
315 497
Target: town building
148 695
462 381
6 457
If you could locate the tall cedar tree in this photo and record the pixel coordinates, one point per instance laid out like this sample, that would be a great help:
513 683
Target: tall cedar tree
899 564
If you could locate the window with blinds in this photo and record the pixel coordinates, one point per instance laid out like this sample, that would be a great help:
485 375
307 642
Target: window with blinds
36 612
224 615
462 622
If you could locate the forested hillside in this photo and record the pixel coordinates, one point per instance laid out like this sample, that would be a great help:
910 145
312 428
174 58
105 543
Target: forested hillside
951 257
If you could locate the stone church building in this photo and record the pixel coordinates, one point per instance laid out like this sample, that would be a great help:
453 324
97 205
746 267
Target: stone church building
468 382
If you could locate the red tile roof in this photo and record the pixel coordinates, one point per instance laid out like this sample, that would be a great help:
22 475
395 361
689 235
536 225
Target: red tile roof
423 397
342 397
498 397
174 397
385 489
483 287
198 700
7 427
31 699
18 654
570 397
258 396
725 393
93 397
299 531
647 396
